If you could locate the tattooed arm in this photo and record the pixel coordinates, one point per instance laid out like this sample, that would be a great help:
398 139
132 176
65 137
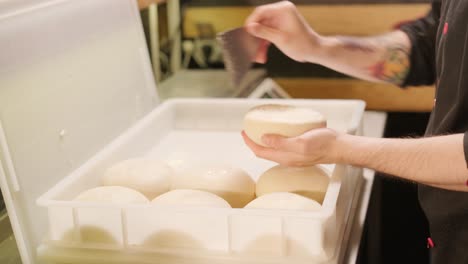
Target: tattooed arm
382 58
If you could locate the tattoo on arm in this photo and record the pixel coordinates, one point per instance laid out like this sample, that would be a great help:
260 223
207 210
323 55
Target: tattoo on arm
393 67
394 64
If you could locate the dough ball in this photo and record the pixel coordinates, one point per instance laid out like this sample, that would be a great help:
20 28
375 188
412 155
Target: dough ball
284 201
285 120
311 182
230 183
191 198
112 194
172 238
150 177
90 234
273 242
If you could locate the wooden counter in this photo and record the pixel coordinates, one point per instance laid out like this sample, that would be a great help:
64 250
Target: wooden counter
356 19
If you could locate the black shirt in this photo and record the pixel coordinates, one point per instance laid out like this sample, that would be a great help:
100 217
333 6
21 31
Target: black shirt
440 55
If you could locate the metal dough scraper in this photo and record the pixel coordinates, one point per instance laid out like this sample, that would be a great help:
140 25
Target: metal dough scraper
239 50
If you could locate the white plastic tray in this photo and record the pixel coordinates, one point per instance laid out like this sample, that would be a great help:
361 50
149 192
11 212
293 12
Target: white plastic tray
205 130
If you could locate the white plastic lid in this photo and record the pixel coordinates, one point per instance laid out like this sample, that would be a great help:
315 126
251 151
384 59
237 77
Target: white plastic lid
74 74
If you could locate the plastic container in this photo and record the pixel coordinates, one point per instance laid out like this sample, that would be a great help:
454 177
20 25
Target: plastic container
204 130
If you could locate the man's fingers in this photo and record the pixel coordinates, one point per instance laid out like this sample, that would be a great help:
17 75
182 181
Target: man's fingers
260 151
252 145
275 143
262 52
276 155
283 143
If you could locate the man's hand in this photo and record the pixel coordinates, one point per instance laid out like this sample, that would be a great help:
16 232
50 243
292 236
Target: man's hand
383 58
317 146
437 161
281 24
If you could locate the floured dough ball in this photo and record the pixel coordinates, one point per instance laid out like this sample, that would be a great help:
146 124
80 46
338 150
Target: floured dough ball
284 120
188 197
230 183
311 182
112 194
284 201
150 177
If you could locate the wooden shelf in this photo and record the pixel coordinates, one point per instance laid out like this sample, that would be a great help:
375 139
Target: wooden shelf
382 97
356 19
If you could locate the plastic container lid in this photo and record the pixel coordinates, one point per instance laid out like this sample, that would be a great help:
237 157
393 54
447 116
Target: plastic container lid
73 76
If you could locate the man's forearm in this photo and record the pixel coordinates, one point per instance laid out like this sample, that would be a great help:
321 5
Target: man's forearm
437 161
382 58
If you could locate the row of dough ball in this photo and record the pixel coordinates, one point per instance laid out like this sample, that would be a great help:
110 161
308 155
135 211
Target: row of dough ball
154 178
142 180
188 197
120 194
